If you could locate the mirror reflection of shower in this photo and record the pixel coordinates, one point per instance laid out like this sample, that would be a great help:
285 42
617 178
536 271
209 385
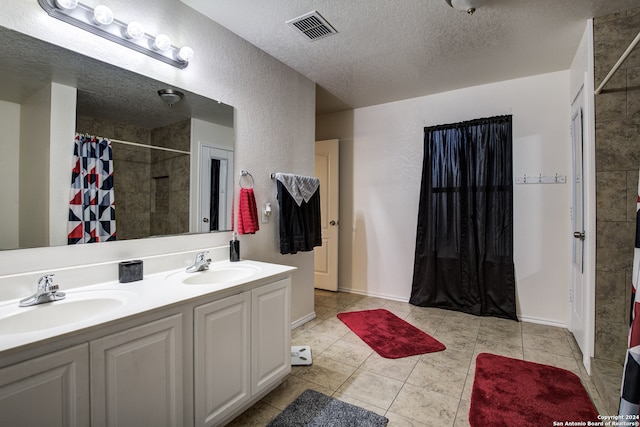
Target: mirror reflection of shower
150 174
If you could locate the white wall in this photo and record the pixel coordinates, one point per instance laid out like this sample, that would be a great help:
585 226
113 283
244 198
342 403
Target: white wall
63 125
34 169
381 163
9 173
274 123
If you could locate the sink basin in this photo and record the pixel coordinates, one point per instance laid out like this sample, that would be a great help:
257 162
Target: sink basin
220 275
76 307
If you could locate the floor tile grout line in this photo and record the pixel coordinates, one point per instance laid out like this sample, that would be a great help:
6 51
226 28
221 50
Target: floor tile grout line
363 303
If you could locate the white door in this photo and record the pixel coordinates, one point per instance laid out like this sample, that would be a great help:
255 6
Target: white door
326 256
216 189
577 324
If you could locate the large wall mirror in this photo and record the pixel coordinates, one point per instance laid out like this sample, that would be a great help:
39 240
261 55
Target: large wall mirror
183 184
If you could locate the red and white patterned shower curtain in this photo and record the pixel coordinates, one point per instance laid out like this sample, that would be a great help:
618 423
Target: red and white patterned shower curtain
92 215
630 392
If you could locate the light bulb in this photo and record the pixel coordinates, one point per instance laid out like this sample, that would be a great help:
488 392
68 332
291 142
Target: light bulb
102 15
185 54
66 4
135 30
162 42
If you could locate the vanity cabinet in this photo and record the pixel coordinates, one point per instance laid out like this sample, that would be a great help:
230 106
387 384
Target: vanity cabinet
197 362
221 357
51 390
270 335
241 350
136 376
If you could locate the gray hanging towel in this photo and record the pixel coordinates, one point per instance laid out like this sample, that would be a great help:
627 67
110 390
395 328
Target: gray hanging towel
299 202
299 187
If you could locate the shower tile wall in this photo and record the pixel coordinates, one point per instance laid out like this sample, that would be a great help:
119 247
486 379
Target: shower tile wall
617 164
151 195
170 179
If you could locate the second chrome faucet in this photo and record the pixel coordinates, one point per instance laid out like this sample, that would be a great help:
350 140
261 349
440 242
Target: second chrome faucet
201 263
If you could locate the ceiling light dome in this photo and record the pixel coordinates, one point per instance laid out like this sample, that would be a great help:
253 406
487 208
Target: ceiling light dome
170 96
468 6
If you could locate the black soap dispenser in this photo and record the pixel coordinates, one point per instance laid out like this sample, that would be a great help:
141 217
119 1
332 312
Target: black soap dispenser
234 248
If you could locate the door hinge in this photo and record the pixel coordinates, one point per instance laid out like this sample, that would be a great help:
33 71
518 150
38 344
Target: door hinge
570 295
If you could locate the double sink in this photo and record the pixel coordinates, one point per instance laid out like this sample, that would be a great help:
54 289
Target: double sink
105 301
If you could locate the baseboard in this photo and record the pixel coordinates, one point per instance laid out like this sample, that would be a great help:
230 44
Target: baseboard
543 322
373 294
303 320
395 298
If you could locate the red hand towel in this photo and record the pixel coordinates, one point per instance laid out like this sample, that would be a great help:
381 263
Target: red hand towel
247 212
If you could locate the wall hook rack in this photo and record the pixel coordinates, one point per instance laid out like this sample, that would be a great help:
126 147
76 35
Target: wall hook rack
541 179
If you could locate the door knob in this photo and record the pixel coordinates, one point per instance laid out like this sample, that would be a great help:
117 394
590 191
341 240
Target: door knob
205 219
579 235
333 223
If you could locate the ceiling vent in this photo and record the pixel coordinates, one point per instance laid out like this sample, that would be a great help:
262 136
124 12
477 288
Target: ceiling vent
312 26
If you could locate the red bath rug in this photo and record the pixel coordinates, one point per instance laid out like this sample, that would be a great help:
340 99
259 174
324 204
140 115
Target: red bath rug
514 392
388 335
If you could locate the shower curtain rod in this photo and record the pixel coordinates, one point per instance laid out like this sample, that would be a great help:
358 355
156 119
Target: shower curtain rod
618 64
155 147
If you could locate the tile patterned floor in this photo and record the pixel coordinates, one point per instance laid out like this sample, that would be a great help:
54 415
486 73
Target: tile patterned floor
427 390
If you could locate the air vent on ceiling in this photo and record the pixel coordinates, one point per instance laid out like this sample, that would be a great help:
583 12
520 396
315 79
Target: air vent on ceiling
312 25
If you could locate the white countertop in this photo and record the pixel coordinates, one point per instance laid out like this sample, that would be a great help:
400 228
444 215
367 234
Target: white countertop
153 292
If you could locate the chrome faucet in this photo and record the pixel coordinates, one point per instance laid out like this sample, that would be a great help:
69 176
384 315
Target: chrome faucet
201 263
47 292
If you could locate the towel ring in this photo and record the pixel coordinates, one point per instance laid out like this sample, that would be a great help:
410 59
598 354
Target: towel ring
244 173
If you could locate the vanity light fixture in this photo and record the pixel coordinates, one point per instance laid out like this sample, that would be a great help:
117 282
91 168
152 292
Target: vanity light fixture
162 42
101 21
468 6
135 30
185 54
66 4
102 15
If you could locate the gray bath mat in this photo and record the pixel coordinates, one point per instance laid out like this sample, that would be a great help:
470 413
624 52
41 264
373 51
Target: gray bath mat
314 409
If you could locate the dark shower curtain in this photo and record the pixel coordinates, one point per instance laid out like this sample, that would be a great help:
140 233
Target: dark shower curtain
214 201
464 245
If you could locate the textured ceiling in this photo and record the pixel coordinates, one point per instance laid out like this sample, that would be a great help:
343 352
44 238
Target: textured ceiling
391 50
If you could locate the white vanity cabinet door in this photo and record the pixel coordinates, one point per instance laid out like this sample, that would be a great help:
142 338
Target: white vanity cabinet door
52 390
222 357
136 376
270 334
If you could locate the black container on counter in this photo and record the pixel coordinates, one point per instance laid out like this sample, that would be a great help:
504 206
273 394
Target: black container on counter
130 271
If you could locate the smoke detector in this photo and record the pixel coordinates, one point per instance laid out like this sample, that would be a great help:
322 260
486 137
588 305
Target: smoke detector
312 25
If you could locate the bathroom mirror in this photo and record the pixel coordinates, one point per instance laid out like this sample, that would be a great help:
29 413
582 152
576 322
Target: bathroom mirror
157 192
